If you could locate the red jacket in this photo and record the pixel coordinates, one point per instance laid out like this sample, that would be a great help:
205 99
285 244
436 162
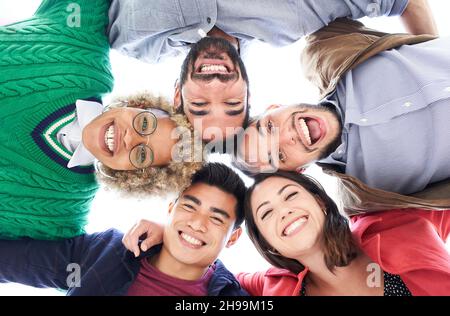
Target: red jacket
409 243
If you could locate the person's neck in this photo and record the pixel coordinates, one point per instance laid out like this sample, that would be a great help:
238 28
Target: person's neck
348 280
167 264
216 32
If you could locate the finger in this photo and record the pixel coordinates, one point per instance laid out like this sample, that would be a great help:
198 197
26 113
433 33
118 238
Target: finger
151 241
138 231
127 241
148 243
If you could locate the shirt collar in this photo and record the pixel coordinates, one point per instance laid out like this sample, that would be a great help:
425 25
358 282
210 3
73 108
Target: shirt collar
86 112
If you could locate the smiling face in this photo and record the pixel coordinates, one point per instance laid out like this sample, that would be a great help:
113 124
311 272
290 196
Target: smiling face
289 137
287 216
213 89
201 224
111 138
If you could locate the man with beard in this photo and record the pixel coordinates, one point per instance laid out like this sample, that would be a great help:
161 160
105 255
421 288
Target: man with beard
213 87
382 123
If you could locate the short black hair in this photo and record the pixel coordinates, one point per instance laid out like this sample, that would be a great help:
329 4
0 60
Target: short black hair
225 179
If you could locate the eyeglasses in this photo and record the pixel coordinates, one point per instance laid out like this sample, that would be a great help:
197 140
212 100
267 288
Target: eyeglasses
142 156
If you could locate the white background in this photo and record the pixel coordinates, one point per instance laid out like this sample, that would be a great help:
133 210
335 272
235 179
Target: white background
275 77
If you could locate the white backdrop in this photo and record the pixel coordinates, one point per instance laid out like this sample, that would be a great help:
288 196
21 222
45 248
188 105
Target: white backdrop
275 77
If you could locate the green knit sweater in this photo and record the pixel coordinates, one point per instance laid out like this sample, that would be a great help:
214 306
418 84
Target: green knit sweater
46 63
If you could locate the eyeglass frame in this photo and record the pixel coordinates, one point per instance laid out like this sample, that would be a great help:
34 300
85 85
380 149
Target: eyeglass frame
142 144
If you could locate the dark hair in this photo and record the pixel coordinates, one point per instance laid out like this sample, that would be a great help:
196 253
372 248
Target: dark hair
340 248
224 178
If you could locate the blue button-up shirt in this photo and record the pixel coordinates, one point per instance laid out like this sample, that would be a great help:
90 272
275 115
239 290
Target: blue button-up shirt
152 30
396 114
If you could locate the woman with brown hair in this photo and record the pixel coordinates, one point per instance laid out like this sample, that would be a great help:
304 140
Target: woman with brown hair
297 227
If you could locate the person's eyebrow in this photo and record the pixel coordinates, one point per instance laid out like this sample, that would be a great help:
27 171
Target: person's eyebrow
279 192
193 199
261 205
285 187
199 113
220 211
235 112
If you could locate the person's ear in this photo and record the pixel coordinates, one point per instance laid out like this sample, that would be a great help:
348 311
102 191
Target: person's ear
177 96
234 237
172 205
272 107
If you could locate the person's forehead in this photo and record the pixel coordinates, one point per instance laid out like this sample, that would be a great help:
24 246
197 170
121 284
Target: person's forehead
280 111
207 194
271 187
234 91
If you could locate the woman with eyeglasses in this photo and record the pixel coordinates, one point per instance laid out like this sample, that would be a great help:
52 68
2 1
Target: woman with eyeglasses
297 227
54 69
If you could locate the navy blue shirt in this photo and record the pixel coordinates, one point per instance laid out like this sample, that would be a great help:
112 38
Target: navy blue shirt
103 264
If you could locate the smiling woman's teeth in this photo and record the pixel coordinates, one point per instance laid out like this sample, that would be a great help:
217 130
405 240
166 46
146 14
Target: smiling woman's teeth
213 68
305 130
109 138
288 230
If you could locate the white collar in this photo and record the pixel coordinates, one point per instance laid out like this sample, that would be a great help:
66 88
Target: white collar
86 112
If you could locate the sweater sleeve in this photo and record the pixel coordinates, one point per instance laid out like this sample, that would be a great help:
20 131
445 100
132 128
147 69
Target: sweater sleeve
81 15
253 283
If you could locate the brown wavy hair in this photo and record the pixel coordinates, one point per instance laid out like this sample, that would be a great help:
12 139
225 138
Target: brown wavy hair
160 181
339 246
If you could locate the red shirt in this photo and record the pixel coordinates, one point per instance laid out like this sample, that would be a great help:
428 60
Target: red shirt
152 282
409 243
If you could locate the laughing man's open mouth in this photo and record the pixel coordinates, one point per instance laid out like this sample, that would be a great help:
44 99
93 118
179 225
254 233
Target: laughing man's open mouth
309 129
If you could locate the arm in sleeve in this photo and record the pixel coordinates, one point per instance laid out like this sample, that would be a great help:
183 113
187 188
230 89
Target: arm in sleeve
315 14
419 19
253 283
41 263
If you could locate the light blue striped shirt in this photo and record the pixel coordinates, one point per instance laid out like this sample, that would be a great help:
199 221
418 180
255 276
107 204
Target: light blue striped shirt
396 114
151 30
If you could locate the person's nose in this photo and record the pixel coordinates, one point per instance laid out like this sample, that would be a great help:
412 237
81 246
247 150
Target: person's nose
198 222
131 139
285 212
216 84
288 137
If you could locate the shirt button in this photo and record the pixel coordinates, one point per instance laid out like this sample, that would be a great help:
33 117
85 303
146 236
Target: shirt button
202 33
364 120
208 19
407 104
447 89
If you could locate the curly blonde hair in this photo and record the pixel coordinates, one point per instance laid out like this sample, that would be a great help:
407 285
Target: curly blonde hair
160 181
